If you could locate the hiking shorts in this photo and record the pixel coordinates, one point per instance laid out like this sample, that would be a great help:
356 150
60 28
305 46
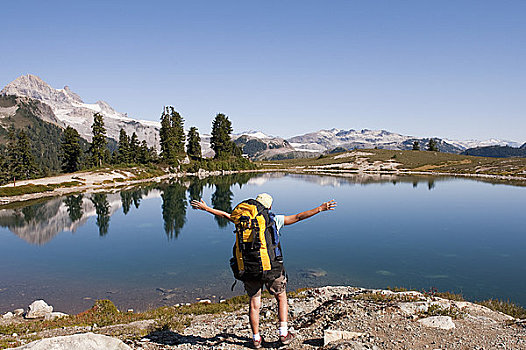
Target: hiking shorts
277 286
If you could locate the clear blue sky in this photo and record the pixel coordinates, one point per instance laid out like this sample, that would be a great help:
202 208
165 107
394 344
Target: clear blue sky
441 68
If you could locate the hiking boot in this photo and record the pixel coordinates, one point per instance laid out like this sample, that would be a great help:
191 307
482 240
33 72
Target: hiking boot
256 344
285 340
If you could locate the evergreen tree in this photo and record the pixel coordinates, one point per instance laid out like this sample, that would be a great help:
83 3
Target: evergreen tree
21 161
221 142
134 148
178 133
144 153
123 152
171 135
71 150
194 144
416 146
98 143
432 145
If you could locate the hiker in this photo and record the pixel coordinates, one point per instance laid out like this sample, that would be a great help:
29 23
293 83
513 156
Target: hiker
273 276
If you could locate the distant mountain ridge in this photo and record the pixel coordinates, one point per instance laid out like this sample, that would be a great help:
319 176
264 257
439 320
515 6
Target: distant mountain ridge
67 108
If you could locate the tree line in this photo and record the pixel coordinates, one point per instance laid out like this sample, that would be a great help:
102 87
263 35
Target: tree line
17 162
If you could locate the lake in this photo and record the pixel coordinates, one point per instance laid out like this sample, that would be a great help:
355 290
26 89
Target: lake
146 247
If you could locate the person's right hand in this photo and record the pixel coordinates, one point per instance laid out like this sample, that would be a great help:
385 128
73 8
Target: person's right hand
199 204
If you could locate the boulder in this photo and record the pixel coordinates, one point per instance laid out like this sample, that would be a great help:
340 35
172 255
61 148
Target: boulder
38 309
330 336
442 322
8 315
54 315
86 341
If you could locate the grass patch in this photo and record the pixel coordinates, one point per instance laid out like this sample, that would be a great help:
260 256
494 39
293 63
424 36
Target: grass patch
385 298
437 310
397 289
24 189
507 307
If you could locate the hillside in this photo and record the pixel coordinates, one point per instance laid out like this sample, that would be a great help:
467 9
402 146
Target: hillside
70 110
496 151
399 162
43 128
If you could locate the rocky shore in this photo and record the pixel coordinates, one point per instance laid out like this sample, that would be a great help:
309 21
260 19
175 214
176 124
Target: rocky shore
327 318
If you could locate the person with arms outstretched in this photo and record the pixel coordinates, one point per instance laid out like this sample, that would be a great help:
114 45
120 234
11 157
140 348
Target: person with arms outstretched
257 235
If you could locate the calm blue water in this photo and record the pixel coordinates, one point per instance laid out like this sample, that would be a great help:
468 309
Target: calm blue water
146 247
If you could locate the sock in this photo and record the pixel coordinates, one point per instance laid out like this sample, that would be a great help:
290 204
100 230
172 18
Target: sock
283 329
257 337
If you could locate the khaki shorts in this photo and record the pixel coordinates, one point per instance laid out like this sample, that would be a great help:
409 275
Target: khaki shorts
278 286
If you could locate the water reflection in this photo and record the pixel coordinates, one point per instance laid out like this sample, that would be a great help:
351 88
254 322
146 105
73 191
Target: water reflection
39 223
74 205
102 209
173 208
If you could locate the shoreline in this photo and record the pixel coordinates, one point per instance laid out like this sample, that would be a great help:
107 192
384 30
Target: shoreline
100 181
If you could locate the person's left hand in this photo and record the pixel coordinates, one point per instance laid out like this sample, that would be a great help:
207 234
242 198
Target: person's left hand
330 205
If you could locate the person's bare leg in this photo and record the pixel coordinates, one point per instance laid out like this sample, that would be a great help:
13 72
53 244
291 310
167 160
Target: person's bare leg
253 313
283 306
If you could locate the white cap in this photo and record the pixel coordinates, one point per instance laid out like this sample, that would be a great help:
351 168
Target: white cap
265 199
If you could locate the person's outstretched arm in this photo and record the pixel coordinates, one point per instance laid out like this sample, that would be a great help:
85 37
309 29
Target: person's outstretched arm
201 205
291 219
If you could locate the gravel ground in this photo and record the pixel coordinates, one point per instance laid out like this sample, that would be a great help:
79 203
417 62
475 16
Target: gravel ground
383 319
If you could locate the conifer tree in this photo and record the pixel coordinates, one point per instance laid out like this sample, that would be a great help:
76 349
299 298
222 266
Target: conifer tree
221 142
178 133
172 135
416 146
123 152
134 148
71 150
432 145
144 153
21 161
98 142
193 148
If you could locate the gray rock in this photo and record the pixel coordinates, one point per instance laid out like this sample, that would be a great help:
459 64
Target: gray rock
8 315
18 312
441 322
54 315
39 309
330 336
354 345
297 311
414 307
86 341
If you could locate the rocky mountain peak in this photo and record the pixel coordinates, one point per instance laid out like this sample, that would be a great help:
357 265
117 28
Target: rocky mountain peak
70 109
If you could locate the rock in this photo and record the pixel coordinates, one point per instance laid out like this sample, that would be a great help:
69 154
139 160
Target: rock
8 315
330 336
354 345
54 315
297 311
86 341
413 308
205 301
442 322
39 309
18 312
